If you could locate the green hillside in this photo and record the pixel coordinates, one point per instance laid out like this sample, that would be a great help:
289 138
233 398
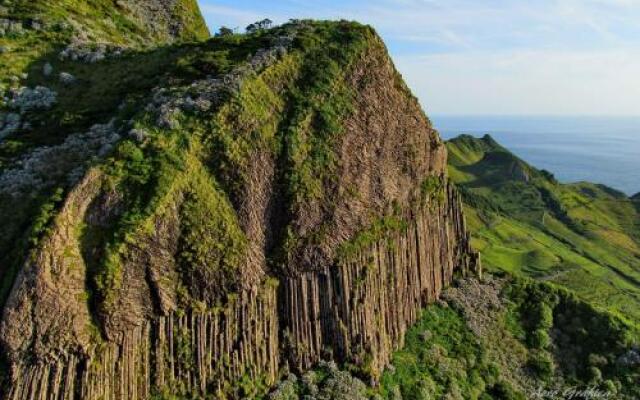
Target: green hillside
583 236
34 31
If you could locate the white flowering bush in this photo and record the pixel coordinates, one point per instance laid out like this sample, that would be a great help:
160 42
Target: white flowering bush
66 78
327 382
50 165
89 53
169 106
630 359
9 123
27 99
10 27
47 69
286 389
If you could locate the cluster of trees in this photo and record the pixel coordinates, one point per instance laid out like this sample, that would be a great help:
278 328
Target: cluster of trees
252 28
259 26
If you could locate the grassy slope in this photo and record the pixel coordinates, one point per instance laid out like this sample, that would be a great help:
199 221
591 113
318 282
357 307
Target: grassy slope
99 20
107 21
583 236
101 87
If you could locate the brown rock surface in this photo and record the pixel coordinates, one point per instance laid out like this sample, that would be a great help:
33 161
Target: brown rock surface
62 345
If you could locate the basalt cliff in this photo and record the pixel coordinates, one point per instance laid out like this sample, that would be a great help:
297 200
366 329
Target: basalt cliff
203 215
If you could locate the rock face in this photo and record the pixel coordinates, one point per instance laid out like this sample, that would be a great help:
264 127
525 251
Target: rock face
166 19
359 309
296 224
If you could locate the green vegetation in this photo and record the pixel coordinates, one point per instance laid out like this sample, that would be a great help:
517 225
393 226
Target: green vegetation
585 344
114 88
118 87
141 170
442 358
582 236
212 245
45 27
26 233
318 104
432 191
381 229
124 25
325 382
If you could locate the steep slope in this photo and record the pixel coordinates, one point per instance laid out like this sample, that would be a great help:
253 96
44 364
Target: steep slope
583 236
256 201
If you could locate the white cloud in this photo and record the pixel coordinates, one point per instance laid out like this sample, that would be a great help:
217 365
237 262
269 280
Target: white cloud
229 12
526 82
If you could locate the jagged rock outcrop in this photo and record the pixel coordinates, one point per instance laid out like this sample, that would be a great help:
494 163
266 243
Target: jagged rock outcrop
293 209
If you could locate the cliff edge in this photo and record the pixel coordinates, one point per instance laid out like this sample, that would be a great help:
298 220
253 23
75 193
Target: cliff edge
255 202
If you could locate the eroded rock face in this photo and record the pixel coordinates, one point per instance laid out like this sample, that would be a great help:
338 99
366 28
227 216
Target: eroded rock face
360 309
46 314
63 343
387 149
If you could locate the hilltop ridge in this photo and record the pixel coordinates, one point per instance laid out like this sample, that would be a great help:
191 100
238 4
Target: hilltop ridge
581 235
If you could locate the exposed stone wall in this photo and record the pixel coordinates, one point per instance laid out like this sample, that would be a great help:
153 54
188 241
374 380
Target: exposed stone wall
194 352
357 311
360 310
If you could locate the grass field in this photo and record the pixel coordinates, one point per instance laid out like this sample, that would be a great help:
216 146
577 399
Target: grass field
583 236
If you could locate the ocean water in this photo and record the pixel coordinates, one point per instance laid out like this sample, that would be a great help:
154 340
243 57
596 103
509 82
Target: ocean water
597 149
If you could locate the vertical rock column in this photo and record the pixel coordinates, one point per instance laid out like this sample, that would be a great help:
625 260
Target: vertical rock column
359 310
194 352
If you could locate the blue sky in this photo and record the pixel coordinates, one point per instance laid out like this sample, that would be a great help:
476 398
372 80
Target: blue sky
562 57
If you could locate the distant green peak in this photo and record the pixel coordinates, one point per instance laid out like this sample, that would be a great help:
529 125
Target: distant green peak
485 143
489 140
